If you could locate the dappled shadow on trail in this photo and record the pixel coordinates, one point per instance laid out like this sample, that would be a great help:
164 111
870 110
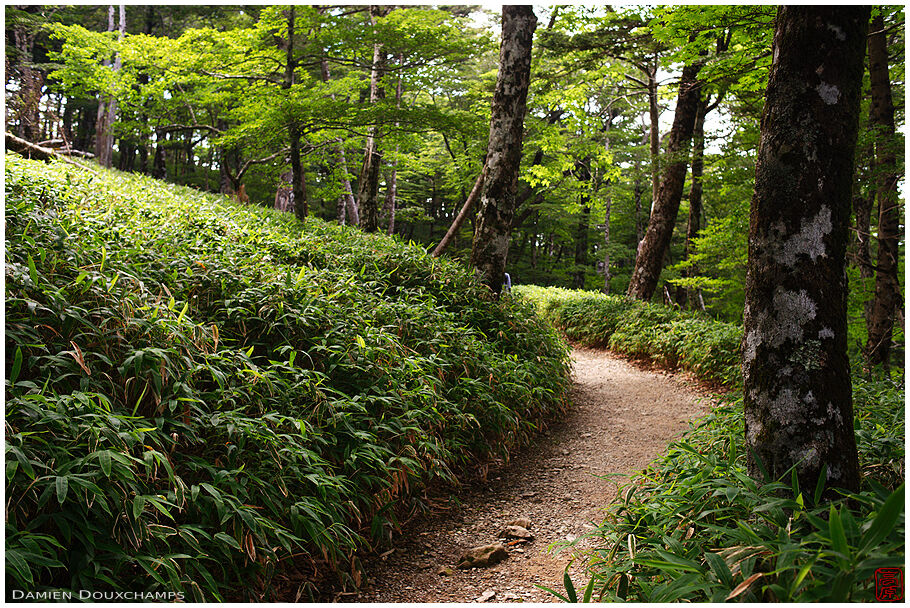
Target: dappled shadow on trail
622 417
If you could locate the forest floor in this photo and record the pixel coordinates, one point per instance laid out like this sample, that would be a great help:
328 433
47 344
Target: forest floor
622 417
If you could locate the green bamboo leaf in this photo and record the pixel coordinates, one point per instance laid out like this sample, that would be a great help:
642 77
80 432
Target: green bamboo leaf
838 538
62 486
17 365
183 311
138 505
104 459
225 538
570 587
32 271
885 520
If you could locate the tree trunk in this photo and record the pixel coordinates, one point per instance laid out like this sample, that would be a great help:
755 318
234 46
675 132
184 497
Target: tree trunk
608 203
104 144
368 184
459 219
798 410
887 289
581 229
159 163
656 242
497 198
31 82
347 205
683 295
298 187
392 181
654 131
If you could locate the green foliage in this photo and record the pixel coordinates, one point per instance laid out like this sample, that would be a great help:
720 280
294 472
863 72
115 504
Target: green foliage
200 393
668 336
694 526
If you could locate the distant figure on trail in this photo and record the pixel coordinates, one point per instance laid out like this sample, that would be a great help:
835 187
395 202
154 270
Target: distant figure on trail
507 285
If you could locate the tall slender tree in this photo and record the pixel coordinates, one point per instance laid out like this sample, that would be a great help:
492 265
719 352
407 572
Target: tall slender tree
368 184
887 289
798 402
653 247
490 247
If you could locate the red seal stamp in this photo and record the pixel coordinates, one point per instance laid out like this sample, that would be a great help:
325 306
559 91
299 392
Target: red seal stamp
889 584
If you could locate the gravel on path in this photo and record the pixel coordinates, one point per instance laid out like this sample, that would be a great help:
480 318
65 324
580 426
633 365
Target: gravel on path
621 418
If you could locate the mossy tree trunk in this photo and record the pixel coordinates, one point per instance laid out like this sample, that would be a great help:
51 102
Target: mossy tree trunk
654 246
887 289
798 402
497 197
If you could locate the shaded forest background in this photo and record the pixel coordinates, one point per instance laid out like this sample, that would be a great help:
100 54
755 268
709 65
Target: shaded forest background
222 98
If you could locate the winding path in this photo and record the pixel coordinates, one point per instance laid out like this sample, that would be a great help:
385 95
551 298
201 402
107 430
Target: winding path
621 419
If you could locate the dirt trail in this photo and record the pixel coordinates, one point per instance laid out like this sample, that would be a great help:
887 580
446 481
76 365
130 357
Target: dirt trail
621 419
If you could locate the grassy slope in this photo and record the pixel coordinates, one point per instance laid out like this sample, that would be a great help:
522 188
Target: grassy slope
694 526
197 390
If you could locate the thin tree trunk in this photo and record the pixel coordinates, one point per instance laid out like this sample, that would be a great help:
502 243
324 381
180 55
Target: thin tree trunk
887 289
347 206
656 242
693 225
462 214
796 376
581 229
654 131
368 184
608 203
392 191
102 128
490 247
863 205
298 184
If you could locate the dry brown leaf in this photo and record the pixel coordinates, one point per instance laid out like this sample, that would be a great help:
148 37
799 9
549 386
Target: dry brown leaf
77 355
741 588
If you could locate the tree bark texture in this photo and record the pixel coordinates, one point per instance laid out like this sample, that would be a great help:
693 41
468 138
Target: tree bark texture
887 290
798 402
656 242
368 184
497 198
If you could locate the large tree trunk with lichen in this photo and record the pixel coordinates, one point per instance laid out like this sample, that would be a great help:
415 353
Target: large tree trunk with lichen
653 247
490 247
798 402
887 289
368 184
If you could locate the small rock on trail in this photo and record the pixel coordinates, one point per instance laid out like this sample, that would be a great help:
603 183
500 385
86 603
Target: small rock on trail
563 494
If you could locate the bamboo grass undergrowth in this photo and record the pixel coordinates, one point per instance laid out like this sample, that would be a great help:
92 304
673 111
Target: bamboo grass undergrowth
201 394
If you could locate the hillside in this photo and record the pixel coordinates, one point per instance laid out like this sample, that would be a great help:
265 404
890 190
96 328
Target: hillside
201 392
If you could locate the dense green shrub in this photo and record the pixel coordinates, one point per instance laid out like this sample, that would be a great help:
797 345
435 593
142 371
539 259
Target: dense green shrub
199 392
694 526
673 338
